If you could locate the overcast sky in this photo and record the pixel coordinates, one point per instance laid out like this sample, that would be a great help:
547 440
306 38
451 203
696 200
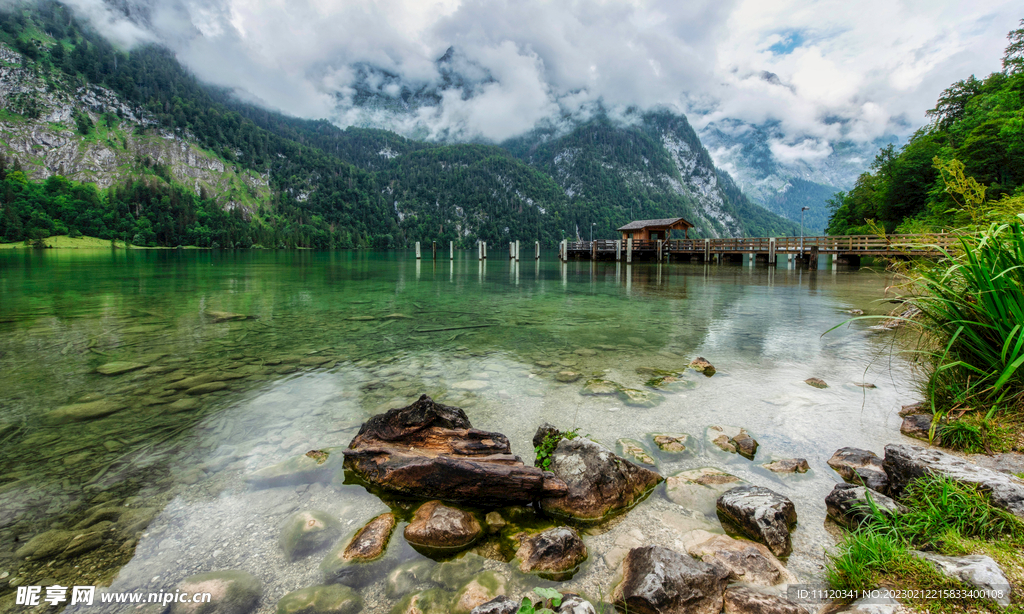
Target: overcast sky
845 69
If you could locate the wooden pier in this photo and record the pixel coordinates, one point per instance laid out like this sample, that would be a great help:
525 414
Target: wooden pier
844 249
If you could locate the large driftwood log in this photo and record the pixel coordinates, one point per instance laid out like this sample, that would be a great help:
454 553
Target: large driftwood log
430 450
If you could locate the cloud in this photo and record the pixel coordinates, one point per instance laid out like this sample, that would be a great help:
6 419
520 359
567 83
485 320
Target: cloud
821 70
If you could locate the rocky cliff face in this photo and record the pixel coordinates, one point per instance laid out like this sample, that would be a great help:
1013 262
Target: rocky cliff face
41 132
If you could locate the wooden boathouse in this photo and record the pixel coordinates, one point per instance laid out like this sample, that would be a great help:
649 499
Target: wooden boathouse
654 230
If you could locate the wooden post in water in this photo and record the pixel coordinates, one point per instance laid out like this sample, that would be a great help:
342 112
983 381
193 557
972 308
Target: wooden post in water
707 250
618 250
593 251
517 251
451 250
433 249
536 250
417 250
659 251
813 263
485 250
629 249
771 251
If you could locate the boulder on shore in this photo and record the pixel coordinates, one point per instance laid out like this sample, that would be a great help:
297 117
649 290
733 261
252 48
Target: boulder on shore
656 580
762 514
848 504
919 426
858 466
979 571
501 604
430 450
598 482
904 463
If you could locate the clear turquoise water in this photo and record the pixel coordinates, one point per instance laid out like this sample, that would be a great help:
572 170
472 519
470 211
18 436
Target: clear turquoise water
317 354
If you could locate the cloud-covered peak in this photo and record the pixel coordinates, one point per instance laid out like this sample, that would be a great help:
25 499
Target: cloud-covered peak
819 72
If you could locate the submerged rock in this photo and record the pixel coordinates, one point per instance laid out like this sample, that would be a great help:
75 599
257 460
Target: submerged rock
762 514
556 552
639 398
656 579
701 365
226 316
676 443
313 466
669 381
435 526
858 466
351 562
80 412
598 482
597 386
848 504
231 592
307 531
788 465
478 591
330 599
732 439
186 404
744 600
904 463
206 388
45 545
119 367
634 449
816 382
567 377
406 577
455 573
431 601
747 562
699 489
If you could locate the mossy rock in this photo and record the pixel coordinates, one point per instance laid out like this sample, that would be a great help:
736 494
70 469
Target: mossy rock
639 398
676 444
329 599
672 381
307 531
80 412
455 573
314 466
118 367
478 591
598 387
232 592
634 450
431 601
407 576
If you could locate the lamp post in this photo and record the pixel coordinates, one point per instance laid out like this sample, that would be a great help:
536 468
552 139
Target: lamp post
592 224
802 209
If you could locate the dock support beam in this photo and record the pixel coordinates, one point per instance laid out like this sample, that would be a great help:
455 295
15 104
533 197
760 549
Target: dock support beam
659 250
618 250
813 263
536 250
517 251
433 249
451 250
772 245
629 249
707 250
417 250
593 251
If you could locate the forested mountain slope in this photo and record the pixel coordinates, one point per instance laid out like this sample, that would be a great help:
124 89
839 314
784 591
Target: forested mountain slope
177 162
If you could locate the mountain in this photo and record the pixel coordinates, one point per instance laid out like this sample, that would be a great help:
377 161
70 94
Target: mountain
746 150
179 162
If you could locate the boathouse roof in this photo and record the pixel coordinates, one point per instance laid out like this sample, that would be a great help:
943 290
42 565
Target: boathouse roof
670 221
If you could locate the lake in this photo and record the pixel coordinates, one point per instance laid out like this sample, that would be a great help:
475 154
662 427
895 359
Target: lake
288 351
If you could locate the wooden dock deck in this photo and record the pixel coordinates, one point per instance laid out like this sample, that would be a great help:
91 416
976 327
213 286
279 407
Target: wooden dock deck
846 249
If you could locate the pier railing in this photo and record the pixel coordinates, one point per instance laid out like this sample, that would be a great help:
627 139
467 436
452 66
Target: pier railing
888 245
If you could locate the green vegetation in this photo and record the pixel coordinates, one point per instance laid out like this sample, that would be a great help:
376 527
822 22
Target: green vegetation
551 600
979 123
547 447
943 516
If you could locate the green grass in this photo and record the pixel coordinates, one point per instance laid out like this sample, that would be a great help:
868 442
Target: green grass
943 516
973 305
